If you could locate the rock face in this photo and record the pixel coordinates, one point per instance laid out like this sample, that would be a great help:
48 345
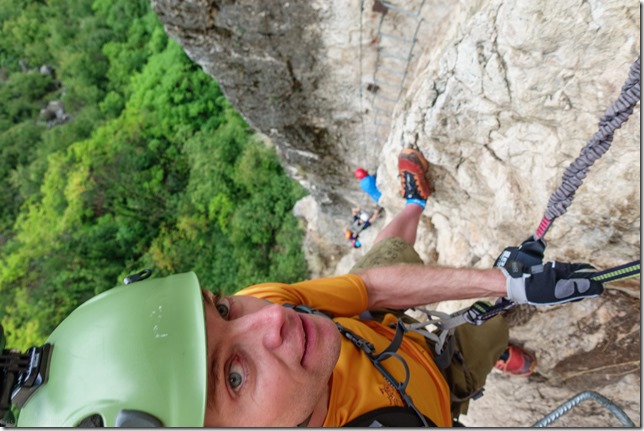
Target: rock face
500 96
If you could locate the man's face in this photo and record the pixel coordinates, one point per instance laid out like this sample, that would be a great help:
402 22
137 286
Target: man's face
268 365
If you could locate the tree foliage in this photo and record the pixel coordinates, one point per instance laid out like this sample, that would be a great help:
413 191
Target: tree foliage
154 170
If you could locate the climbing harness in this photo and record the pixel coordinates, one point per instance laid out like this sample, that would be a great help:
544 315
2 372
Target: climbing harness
377 358
389 352
360 222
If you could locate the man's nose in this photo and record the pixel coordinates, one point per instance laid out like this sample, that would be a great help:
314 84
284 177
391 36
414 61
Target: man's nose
267 325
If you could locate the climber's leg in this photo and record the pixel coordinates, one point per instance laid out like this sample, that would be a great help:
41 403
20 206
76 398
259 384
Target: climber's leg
403 226
412 169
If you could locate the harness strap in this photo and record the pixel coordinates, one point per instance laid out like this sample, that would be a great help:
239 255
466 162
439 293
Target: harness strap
377 359
388 352
393 416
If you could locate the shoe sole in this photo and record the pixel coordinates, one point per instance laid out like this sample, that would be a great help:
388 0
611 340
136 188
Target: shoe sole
414 162
526 373
415 157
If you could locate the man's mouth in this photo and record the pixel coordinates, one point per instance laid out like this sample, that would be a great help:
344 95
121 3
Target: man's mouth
306 340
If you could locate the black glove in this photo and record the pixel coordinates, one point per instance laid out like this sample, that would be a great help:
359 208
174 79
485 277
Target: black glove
529 253
552 283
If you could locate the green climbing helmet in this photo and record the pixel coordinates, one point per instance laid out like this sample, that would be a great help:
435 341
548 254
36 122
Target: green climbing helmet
133 356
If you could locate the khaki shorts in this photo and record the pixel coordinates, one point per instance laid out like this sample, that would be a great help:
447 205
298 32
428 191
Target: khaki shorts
477 348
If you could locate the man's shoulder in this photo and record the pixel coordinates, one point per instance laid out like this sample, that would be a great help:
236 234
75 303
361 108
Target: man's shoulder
341 295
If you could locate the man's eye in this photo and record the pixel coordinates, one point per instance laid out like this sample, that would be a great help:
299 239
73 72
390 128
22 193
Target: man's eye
222 309
235 377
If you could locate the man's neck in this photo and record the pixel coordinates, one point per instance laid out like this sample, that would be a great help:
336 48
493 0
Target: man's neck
321 409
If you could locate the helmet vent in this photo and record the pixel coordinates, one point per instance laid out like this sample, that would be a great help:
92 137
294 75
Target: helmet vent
93 421
141 275
136 419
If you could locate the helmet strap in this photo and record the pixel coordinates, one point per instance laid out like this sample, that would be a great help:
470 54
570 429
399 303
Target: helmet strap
20 375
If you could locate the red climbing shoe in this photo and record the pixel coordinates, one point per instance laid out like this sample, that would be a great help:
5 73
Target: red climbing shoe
516 361
412 168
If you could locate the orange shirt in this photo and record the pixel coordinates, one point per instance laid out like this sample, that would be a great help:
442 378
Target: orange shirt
357 386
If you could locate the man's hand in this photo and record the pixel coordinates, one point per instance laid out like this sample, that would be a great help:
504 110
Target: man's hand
529 253
552 283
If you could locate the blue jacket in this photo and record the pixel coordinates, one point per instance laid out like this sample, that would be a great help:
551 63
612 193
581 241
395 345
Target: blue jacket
368 184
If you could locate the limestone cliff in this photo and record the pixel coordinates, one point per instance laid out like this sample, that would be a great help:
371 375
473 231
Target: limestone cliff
500 96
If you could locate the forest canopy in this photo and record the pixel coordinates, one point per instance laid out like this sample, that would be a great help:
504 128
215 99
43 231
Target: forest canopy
118 153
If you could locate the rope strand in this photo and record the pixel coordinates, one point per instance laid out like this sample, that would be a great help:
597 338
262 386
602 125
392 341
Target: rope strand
599 143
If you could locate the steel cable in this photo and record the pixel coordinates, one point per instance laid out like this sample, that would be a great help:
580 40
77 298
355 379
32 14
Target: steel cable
577 399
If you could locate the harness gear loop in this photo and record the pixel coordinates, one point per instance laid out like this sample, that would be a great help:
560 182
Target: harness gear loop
477 314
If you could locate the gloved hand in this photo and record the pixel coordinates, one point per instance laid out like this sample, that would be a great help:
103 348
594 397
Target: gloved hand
529 253
552 283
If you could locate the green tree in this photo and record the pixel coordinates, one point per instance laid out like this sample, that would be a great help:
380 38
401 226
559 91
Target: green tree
155 169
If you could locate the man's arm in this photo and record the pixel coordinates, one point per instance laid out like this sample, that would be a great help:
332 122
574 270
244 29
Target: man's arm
404 286
409 285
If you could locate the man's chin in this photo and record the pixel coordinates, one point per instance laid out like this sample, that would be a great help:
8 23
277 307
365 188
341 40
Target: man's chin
327 344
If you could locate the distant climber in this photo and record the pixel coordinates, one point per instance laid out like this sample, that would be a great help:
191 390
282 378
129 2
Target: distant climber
368 183
361 221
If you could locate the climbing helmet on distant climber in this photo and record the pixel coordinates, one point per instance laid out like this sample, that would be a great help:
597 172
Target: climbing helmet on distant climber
360 173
